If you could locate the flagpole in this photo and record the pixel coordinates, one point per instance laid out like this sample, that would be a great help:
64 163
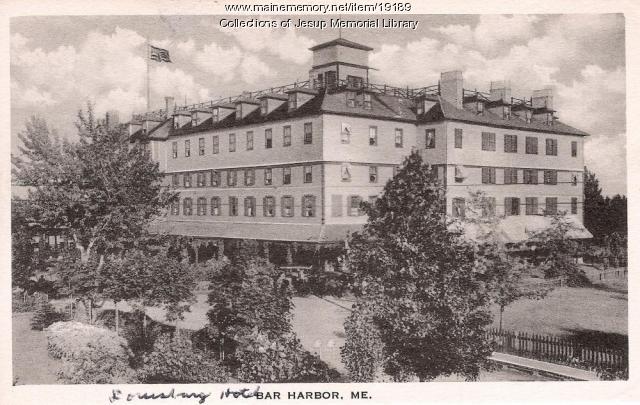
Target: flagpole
148 56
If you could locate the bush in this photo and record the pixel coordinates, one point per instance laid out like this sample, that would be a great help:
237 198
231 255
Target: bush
175 360
44 314
362 351
282 360
22 302
90 355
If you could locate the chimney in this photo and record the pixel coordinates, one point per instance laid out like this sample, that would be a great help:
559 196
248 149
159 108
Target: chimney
542 98
500 90
112 118
451 87
169 105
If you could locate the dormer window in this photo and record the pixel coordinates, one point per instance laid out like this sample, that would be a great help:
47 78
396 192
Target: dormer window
293 101
176 123
264 106
480 107
194 120
367 101
351 98
506 112
420 107
528 113
215 113
354 82
239 111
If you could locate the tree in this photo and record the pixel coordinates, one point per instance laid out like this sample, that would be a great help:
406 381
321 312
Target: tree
594 205
100 189
420 278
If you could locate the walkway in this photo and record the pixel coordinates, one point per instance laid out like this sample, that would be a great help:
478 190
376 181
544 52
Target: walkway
564 372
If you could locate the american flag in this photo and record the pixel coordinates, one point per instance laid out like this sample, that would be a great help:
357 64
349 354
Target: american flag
159 54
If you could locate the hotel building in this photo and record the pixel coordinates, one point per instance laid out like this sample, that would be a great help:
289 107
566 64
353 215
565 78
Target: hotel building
292 164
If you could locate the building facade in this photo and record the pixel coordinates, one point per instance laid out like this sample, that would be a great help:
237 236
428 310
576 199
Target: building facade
294 163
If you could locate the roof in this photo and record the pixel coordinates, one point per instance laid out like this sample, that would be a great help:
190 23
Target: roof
306 90
514 229
246 100
343 42
261 231
277 96
446 110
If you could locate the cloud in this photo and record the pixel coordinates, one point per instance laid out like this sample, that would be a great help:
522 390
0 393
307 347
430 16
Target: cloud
253 69
222 62
30 97
606 157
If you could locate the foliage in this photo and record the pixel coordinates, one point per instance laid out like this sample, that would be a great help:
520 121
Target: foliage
362 353
603 216
419 277
175 360
611 374
90 355
44 314
558 251
281 360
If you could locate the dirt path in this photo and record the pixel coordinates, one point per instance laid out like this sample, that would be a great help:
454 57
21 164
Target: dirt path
31 362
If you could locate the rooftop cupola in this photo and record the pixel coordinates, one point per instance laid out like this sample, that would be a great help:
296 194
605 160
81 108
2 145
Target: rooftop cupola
339 61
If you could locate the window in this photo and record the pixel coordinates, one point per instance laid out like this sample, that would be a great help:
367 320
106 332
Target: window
287 206
531 205
249 140
187 148
286 135
430 138
345 134
201 146
233 206
215 206
293 101
268 176
249 177
345 172
232 142
175 179
175 207
354 81
551 206
174 149
215 141
574 205
510 175
286 175
458 207
186 180
232 178
458 138
215 114
511 143
367 101
201 179
268 138
459 174
552 147
308 206
308 133
373 174
489 141
187 206
336 205
351 98
239 111
373 136
530 176
269 206
215 178
264 105
249 207
488 175
488 205
399 138
308 174
354 205
511 206
201 206
550 177
574 149
531 145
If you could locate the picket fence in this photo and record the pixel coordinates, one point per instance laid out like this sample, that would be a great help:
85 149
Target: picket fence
555 349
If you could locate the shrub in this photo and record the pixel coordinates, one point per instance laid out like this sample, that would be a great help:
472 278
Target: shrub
175 360
44 314
362 352
282 360
90 355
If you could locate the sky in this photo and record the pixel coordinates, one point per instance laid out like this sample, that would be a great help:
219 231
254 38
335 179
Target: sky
58 64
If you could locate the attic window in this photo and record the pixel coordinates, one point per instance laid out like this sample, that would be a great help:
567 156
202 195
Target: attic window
367 101
215 115
194 120
351 99
263 106
506 112
293 101
480 107
239 111
527 115
176 123
420 108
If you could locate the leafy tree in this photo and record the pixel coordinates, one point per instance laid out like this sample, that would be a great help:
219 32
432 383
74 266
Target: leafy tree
24 259
429 299
603 216
362 352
